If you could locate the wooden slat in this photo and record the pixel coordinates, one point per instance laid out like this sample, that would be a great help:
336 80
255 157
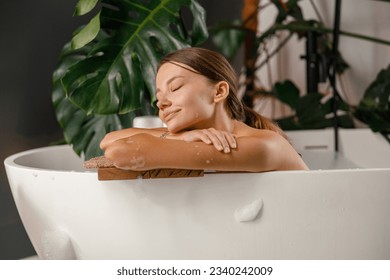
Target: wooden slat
112 173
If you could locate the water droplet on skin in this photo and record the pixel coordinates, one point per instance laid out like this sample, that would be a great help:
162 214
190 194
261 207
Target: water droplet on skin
207 161
137 162
197 153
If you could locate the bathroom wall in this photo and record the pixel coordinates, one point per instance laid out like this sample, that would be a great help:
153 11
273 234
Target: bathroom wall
32 34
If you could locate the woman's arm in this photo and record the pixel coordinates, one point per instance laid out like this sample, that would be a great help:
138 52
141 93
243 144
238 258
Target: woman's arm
222 140
144 152
128 132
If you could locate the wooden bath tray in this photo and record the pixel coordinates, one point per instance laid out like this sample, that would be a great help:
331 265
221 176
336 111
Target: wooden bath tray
106 171
112 173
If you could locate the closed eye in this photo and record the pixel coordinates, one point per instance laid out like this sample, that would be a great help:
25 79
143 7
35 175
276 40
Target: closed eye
176 88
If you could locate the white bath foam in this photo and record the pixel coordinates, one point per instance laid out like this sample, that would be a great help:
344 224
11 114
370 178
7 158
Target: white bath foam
137 162
249 212
57 245
138 187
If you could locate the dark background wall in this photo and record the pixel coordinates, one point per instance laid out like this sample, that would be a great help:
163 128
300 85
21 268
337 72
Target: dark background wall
32 34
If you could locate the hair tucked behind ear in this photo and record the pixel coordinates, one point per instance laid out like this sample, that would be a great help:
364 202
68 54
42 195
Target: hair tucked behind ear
243 113
216 68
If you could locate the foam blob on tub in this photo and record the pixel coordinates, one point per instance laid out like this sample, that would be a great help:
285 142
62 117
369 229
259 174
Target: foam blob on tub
248 212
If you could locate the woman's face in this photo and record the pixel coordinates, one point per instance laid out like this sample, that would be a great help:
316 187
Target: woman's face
185 99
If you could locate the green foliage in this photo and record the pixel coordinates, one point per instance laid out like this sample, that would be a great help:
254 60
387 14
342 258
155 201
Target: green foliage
108 72
228 37
121 68
83 131
312 111
84 6
287 92
374 108
87 34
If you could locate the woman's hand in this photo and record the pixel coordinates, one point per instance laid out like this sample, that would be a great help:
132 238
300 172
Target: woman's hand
222 140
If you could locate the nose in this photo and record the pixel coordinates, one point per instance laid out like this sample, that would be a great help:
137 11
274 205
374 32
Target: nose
163 103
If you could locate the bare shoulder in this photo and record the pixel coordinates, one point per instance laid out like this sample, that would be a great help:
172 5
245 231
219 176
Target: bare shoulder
273 146
244 130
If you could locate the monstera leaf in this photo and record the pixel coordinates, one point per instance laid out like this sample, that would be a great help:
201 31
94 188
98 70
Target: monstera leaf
120 69
108 69
83 131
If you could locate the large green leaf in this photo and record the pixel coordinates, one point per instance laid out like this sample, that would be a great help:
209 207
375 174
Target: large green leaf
83 132
287 92
84 6
120 69
87 34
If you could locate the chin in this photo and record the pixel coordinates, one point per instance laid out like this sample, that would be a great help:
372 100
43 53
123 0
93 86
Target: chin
174 127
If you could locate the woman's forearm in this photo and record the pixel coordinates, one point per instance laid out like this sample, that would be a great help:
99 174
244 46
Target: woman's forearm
145 152
124 133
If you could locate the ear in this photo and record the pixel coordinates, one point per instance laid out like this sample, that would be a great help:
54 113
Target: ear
222 91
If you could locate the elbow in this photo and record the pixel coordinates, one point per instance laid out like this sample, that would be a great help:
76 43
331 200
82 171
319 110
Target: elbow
128 153
116 153
107 140
104 143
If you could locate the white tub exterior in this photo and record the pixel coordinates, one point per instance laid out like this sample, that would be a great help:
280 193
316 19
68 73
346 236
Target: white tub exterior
318 214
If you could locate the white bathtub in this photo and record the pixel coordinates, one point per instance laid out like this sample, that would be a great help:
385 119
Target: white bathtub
320 214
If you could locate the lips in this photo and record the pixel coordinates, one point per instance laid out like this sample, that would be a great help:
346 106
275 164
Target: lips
169 114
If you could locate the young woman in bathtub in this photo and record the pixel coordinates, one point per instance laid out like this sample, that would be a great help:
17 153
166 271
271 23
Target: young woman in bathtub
207 126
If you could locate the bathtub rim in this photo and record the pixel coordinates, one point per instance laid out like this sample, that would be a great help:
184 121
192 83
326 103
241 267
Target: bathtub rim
9 162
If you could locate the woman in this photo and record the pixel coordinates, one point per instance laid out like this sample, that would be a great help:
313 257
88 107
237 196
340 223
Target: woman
207 126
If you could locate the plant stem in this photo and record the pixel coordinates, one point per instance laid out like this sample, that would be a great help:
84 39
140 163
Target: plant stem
301 27
364 37
275 51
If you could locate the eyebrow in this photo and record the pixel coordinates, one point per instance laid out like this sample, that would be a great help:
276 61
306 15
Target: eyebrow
170 80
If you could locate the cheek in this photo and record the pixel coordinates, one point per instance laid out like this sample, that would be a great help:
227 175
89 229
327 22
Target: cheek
160 115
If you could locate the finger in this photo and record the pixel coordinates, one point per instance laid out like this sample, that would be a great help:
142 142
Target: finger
231 139
214 139
221 140
205 138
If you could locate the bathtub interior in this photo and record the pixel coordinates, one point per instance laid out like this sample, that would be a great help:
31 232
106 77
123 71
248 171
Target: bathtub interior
46 159
358 149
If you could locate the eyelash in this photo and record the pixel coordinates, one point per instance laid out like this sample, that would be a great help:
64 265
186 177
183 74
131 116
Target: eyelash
176 88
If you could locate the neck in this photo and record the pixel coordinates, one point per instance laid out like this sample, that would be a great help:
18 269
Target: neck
220 121
224 122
